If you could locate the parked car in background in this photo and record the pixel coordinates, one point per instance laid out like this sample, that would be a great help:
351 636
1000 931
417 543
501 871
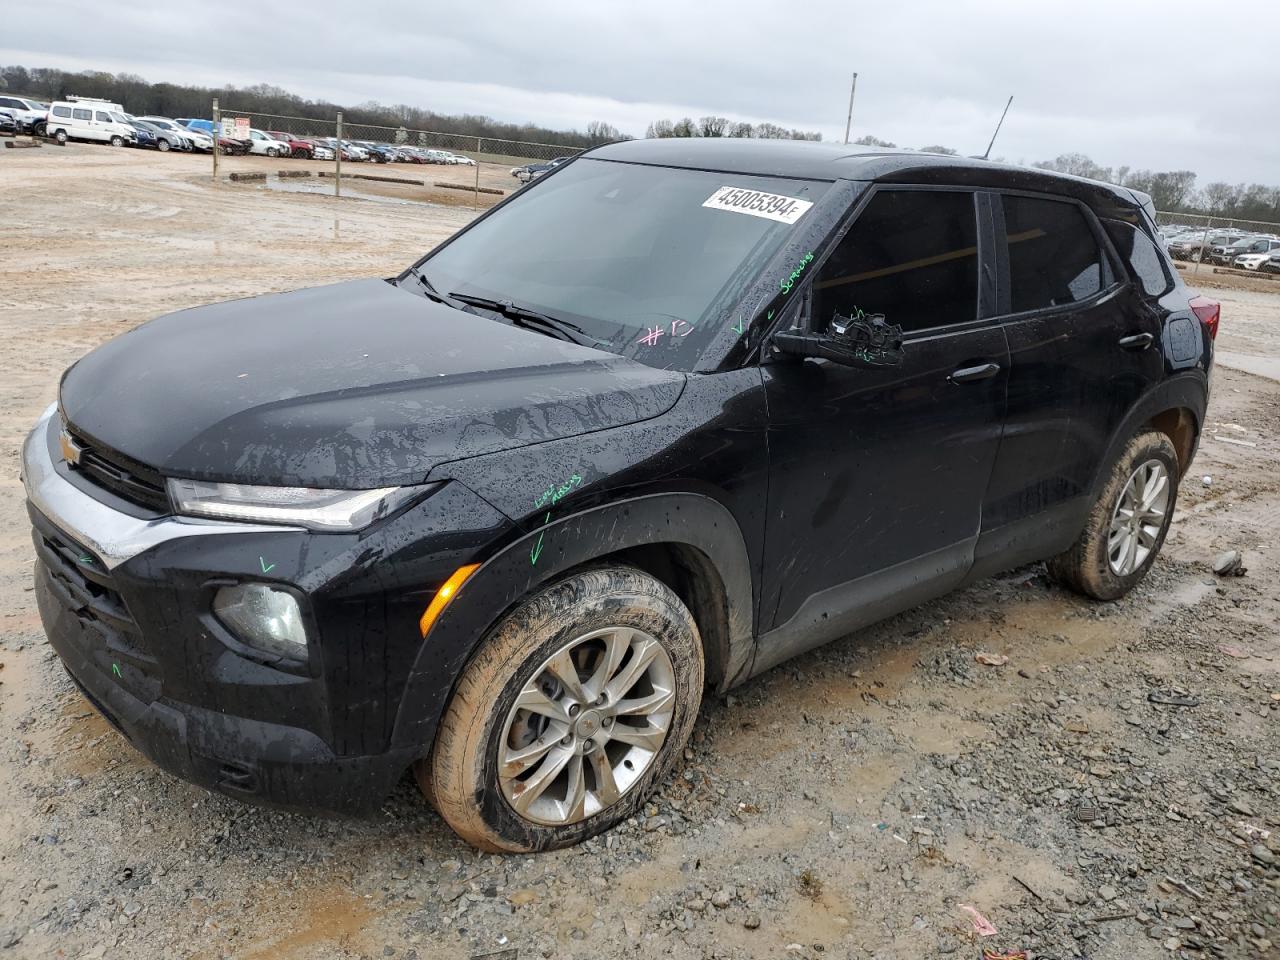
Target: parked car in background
85 118
1251 244
1257 254
180 137
8 122
25 113
319 149
265 145
350 151
168 135
532 171
231 146
1272 264
459 158
1195 246
145 135
298 147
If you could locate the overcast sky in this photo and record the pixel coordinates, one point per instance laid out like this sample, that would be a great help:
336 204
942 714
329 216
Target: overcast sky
1161 85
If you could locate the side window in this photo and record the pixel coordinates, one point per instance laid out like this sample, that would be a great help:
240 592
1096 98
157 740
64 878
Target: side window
912 255
1142 255
81 114
103 117
1054 258
6 102
62 112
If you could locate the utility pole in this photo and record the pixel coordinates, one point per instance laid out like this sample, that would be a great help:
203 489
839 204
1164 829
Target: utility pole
849 121
987 155
337 159
217 129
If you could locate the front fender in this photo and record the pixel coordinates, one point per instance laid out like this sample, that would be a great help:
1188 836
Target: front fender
543 555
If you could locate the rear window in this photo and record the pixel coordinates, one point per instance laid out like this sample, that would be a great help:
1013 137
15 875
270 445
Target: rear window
62 111
1054 258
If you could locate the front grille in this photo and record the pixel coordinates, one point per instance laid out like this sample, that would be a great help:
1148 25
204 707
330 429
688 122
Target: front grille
120 475
109 636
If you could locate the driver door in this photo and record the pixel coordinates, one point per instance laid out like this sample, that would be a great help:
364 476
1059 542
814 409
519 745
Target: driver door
878 474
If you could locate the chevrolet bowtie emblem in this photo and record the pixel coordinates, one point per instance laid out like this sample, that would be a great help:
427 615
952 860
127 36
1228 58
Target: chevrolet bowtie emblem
70 449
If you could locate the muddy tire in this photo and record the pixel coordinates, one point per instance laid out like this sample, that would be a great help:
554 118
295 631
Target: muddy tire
1127 524
536 722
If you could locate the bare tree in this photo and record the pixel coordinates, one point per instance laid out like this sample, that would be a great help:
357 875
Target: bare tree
947 151
714 126
659 129
871 141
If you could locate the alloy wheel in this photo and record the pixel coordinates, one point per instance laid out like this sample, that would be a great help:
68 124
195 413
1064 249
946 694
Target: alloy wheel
1138 517
586 726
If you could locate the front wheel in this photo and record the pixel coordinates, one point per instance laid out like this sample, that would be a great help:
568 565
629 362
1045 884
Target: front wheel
162 146
117 141
61 137
1127 524
572 710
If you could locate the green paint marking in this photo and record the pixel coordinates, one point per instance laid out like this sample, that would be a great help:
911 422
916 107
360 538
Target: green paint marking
770 315
86 559
741 325
536 552
790 281
115 668
553 494
266 567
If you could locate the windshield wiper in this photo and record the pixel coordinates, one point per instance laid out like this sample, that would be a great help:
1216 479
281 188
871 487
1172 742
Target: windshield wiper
531 319
430 289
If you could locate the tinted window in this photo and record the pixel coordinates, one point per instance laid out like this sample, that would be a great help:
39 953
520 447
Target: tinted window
6 102
1142 255
912 255
1053 255
61 111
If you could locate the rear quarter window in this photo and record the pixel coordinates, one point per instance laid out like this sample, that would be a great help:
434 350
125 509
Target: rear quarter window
62 111
1142 256
1054 257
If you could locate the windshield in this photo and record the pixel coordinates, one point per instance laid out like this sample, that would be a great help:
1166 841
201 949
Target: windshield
646 260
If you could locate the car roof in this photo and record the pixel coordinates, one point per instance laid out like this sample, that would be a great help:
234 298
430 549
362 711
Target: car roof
808 160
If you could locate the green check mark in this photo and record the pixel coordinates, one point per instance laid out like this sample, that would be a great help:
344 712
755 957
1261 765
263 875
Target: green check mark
742 325
115 668
266 567
536 552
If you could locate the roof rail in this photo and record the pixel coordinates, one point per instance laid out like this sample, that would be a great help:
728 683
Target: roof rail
89 100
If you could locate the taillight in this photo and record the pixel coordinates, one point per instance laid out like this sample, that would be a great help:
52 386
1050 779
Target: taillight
1208 311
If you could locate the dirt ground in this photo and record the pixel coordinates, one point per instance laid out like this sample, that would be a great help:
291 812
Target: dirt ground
853 803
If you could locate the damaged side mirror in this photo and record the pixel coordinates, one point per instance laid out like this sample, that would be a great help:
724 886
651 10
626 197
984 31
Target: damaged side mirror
861 340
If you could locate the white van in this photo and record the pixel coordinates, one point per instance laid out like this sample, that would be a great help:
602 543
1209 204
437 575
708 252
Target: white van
87 118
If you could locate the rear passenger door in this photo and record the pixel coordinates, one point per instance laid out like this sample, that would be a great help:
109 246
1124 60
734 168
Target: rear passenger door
82 124
1083 347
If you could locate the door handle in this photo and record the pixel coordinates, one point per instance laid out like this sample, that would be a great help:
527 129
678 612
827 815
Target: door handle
1137 341
984 371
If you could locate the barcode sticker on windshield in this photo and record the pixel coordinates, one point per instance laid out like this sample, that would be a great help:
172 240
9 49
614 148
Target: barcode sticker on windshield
771 206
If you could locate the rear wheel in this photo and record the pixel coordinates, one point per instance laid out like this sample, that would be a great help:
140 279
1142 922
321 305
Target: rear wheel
1127 524
573 709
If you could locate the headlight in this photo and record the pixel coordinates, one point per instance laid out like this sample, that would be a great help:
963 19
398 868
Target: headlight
296 506
263 617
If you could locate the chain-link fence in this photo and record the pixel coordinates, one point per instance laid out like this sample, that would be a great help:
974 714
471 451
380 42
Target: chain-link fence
1193 237
480 149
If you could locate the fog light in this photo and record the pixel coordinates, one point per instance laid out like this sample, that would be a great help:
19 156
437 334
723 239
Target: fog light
263 617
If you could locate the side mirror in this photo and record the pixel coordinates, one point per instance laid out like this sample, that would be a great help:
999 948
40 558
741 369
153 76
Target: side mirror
863 340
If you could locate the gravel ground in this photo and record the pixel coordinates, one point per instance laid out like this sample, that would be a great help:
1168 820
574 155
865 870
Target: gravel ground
1108 792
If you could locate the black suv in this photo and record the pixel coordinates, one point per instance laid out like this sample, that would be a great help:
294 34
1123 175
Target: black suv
675 413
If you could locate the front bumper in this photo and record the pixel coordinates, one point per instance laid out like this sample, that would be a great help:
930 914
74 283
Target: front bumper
125 599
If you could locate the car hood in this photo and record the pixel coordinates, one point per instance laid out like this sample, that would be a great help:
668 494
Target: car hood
359 384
